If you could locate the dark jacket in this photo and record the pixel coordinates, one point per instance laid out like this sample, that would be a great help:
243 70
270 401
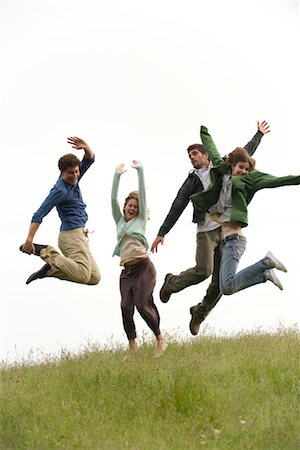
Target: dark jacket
193 185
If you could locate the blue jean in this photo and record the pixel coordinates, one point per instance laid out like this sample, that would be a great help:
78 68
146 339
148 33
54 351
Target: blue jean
230 281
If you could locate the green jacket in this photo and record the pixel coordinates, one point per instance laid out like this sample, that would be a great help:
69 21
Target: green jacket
243 187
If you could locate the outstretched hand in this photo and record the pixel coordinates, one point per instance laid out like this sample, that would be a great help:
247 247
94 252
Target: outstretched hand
135 163
120 168
77 143
158 240
263 127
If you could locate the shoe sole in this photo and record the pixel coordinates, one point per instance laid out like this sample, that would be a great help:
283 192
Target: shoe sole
275 280
163 298
194 333
40 274
278 264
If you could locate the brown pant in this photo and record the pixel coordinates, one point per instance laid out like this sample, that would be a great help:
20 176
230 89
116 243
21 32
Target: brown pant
77 264
136 285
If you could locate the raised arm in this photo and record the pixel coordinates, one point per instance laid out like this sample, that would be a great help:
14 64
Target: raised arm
210 146
142 191
115 207
89 156
80 144
262 129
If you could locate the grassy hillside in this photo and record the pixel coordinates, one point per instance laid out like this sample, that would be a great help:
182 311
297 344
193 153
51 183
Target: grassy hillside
213 393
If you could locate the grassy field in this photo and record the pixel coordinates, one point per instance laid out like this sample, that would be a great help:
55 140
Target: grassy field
240 392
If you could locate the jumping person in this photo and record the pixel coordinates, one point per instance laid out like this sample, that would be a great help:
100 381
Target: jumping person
227 203
138 277
76 262
208 233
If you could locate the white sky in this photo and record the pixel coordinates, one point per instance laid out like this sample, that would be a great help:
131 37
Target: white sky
136 79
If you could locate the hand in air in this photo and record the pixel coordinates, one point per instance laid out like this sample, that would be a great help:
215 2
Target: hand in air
136 164
77 143
264 127
120 168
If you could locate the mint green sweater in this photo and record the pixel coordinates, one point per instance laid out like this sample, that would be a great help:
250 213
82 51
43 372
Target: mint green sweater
243 187
136 227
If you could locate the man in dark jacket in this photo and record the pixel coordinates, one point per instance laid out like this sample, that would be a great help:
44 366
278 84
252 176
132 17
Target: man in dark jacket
208 251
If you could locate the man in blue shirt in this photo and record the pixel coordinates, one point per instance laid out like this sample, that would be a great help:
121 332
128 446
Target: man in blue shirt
76 264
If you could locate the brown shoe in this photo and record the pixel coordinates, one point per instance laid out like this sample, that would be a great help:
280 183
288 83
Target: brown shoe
164 294
195 322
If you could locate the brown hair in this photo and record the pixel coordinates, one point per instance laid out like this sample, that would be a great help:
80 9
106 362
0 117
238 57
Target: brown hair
133 195
240 154
68 160
198 147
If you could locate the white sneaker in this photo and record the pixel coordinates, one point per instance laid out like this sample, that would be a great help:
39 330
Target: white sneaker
276 264
271 276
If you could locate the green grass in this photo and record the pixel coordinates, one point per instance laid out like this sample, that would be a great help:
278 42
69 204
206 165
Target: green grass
240 392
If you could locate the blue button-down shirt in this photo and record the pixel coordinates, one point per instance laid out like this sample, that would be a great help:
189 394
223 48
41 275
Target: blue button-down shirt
68 201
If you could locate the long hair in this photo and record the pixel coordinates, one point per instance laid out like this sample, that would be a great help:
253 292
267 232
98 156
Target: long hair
240 154
133 195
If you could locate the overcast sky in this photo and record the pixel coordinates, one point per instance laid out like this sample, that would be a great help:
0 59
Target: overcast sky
136 79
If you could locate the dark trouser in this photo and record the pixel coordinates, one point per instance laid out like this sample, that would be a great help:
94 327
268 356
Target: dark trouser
136 285
208 256
213 293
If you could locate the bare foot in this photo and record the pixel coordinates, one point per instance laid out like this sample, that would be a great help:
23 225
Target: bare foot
160 348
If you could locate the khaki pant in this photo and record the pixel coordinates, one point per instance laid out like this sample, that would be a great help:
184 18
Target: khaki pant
208 256
77 264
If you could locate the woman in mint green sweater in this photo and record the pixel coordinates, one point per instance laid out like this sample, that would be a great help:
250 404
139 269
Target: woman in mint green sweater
234 181
138 277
